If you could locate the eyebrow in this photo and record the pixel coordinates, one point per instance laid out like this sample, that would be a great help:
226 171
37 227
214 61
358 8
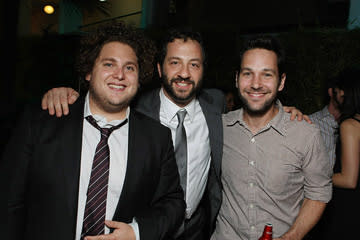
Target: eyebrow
269 70
113 60
179 58
264 69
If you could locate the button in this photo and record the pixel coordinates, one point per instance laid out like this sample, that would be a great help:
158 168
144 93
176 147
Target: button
252 163
251 205
252 140
252 228
251 184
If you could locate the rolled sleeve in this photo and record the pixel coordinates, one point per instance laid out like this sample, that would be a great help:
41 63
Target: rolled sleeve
317 170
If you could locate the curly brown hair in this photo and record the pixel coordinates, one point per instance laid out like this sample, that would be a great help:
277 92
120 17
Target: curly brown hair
92 43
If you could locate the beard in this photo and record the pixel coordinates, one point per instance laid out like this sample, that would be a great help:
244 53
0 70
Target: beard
107 104
180 99
258 111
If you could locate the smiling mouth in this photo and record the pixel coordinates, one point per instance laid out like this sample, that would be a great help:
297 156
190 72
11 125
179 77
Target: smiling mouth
116 87
256 94
182 84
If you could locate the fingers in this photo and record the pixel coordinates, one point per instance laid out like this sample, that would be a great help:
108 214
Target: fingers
307 118
59 97
292 116
47 102
57 100
299 116
44 102
295 114
99 237
73 96
113 224
66 96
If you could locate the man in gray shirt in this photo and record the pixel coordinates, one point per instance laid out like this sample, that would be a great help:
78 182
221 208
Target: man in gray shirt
274 170
327 119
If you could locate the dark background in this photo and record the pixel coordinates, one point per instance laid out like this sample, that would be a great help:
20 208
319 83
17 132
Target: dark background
313 32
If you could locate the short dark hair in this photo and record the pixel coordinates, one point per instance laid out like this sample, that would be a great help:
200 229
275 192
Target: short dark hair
92 43
184 33
267 42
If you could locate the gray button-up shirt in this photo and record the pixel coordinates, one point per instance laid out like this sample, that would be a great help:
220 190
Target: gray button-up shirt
267 175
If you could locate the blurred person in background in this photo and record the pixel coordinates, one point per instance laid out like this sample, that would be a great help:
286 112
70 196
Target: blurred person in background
340 218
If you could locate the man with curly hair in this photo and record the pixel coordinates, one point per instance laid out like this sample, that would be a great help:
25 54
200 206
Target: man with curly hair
180 64
105 171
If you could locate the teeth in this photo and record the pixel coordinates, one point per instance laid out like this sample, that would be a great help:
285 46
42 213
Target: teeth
116 86
182 84
256 94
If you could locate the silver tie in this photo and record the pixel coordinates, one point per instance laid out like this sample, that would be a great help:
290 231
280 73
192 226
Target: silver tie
181 149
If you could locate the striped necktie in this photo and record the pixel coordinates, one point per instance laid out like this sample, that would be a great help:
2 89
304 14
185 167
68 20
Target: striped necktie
95 208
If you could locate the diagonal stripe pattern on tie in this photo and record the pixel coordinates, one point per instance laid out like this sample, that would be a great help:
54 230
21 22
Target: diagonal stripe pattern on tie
95 208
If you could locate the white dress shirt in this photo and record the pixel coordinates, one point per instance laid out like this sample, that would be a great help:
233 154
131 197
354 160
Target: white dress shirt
118 145
198 146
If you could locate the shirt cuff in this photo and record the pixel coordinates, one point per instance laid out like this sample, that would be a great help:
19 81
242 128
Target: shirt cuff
135 227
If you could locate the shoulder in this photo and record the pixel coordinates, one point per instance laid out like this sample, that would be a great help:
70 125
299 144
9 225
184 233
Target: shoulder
299 129
213 97
144 97
212 92
231 116
146 123
316 116
350 127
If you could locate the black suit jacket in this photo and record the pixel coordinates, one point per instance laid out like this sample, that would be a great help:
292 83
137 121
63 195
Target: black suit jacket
212 102
43 164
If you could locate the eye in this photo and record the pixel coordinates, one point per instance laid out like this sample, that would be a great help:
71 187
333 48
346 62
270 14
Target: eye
174 62
195 65
130 68
268 75
108 64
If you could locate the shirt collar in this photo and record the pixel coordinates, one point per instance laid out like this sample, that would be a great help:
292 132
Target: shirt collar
277 123
101 120
325 113
170 108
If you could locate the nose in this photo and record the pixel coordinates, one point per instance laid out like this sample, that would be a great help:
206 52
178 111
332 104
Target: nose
256 81
118 73
184 72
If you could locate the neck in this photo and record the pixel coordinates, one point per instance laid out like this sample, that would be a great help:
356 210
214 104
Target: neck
180 104
257 121
109 114
333 110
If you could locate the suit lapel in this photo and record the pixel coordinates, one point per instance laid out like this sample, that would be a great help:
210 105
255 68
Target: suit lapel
134 163
71 154
213 120
149 104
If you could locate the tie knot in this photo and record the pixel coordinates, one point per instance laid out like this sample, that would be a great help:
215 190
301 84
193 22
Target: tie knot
181 115
105 132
